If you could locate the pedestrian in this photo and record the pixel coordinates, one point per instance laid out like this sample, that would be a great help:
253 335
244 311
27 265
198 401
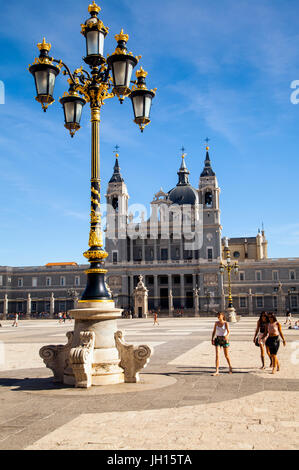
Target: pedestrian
288 318
60 317
16 320
260 336
220 339
156 319
273 342
64 317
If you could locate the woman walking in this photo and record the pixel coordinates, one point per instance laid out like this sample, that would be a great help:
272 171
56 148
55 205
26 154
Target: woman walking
273 342
156 319
220 339
260 336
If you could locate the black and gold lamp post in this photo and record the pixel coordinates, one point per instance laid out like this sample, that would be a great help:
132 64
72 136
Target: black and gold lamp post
107 78
229 267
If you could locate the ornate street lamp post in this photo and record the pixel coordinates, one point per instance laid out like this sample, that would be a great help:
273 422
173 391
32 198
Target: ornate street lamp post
229 267
107 78
94 88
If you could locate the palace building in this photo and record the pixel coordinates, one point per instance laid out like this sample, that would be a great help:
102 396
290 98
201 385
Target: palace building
174 269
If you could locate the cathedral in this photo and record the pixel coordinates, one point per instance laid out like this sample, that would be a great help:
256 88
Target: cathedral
178 251
173 273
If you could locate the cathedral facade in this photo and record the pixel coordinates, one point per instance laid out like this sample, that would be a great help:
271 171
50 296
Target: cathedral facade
177 250
175 272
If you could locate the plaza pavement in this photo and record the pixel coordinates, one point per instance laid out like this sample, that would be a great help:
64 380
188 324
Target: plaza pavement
178 405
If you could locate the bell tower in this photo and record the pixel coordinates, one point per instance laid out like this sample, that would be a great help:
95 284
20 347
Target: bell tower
117 214
209 193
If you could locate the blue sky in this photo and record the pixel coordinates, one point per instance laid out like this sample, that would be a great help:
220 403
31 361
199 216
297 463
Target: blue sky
223 70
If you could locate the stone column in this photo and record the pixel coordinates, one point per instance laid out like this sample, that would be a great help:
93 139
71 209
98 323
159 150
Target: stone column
52 305
170 301
250 302
280 300
169 281
196 301
5 307
194 281
156 297
28 311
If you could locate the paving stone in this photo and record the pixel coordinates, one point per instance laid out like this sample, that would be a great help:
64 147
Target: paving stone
253 409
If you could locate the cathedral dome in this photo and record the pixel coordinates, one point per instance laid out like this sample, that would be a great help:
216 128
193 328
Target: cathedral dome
183 193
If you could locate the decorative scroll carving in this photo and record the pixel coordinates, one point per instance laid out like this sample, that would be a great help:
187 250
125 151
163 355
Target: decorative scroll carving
55 357
132 358
81 359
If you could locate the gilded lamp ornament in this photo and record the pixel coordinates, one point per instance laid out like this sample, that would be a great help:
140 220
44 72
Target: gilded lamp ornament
105 79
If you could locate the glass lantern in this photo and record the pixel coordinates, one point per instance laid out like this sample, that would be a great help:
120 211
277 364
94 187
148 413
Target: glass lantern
122 64
44 73
142 100
72 105
94 32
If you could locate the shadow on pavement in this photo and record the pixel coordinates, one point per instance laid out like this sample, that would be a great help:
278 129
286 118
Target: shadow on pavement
35 384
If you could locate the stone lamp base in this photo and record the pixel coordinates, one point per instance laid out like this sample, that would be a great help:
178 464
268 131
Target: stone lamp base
93 355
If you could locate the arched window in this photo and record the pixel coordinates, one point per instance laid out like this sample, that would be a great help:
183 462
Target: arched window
208 199
115 204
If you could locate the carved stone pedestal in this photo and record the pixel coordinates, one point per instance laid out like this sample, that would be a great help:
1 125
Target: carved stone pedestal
99 318
231 315
96 353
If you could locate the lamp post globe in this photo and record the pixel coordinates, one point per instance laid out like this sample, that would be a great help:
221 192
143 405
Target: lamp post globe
44 73
122 63
94 32
72 106
141 99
